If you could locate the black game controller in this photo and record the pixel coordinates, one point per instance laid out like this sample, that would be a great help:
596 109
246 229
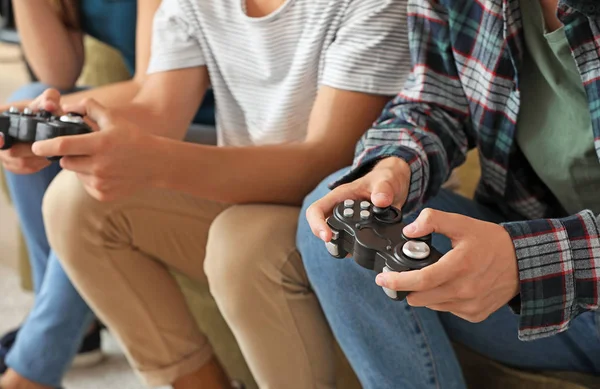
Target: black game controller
27 127
373 236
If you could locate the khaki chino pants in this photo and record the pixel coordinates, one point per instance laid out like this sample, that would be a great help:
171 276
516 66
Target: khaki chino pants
118 255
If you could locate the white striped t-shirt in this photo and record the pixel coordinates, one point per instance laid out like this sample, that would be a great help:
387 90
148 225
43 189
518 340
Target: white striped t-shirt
265 72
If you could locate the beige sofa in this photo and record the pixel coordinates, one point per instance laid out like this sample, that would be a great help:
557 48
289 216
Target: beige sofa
480 372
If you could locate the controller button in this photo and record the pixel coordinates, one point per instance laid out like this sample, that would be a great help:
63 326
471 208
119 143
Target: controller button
13 110
365 205
390 293
365 215
348 212
415 249
348 203
332 248
27 111
335 234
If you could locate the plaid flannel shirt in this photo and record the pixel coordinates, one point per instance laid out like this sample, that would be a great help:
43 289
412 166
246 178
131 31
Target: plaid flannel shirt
464 93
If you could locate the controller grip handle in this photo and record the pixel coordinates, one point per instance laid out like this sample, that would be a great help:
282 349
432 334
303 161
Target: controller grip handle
363 256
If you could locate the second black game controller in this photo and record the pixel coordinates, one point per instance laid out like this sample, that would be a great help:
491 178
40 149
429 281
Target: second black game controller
27 127
374 237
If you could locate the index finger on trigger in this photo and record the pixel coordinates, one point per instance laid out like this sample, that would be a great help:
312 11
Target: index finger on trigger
323 208
75 145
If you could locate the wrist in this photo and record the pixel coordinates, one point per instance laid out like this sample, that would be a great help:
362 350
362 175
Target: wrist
157 150
397 166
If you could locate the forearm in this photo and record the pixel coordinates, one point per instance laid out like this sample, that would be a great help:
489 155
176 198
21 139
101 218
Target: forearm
120 97
54 52
557 260
282 174
113 95
428 138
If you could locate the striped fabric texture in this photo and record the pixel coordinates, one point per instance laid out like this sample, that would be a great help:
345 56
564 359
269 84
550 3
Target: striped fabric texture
265 72
463 93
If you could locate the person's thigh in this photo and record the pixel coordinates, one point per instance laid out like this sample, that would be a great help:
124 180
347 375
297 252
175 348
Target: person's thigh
497 337
577 349
27 191
122 253
388 343
253 266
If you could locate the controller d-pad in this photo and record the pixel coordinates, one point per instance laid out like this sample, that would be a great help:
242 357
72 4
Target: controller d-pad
416 249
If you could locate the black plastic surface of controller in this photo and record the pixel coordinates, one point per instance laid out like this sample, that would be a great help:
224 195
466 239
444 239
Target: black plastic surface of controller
27 127
373 237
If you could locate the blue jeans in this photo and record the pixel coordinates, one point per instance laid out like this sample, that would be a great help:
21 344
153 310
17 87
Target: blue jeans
393 345
49 339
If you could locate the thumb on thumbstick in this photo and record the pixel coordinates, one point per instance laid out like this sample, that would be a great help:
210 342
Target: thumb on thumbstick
382 194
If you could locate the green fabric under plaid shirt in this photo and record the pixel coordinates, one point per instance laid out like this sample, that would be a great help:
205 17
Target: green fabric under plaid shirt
464 93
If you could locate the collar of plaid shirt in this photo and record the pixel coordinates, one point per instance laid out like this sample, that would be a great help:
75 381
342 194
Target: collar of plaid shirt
464 93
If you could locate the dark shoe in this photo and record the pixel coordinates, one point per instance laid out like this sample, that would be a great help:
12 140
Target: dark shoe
89 354
6 343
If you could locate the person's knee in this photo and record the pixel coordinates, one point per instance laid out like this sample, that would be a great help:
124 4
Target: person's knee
248 245
67 215
28 92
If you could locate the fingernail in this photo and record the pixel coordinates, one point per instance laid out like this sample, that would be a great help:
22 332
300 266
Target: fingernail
323 234
411 228
381 279
381 197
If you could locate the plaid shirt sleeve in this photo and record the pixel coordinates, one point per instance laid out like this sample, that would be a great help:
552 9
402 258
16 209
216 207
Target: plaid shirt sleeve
427 124
559 271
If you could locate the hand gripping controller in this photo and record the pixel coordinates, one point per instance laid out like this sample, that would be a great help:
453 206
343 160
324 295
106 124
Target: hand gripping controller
27 127
373 236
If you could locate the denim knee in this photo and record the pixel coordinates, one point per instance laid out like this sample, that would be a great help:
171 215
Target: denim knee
28 92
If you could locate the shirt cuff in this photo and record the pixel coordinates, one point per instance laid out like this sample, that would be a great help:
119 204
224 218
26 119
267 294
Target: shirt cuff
365 162
547 300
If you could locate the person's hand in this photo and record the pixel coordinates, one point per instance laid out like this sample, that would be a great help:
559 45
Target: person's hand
19 159
116 160
387 184
473 280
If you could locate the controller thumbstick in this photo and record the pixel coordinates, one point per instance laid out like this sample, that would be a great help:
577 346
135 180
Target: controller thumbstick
42 113
380 210
416 249
388 215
